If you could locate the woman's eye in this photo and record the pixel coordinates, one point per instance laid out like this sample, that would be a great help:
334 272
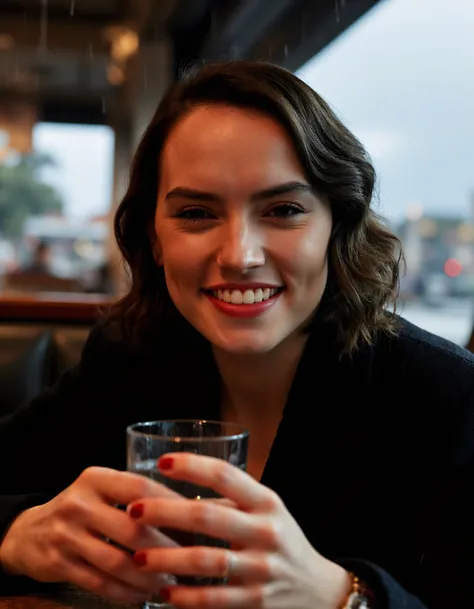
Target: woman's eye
194 214
285 210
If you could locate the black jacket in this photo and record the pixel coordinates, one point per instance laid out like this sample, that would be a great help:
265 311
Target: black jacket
374 456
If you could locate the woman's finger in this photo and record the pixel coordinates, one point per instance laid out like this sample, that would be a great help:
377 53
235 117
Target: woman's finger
215 597
203 561
219 475
116 525
215 520
222 501
88 577
117 564
123 487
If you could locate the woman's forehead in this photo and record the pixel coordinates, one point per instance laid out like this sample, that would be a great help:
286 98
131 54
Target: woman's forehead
213 143
222 118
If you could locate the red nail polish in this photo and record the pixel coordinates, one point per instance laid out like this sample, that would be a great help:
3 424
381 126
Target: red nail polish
137 511
166 463
165 594
139 558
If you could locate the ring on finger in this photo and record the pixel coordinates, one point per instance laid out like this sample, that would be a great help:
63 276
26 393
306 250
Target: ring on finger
230 564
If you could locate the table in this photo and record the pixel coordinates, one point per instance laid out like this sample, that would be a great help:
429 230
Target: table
63 598
48 306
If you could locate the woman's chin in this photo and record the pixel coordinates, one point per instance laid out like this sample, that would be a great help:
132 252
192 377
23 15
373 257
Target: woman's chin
244 345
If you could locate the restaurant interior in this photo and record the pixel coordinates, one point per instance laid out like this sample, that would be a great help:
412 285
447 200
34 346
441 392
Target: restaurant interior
86 76
80 81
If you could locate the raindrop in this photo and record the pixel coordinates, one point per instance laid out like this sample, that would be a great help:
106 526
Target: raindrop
104 105
285 50
145 79
72 8
90 50
338 17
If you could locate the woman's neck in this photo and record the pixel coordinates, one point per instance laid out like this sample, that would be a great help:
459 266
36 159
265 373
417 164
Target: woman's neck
255 387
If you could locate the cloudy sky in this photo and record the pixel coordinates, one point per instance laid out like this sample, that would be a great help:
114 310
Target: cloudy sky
402 78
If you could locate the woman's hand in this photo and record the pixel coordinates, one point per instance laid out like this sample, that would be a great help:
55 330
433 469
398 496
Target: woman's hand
271 563
64 539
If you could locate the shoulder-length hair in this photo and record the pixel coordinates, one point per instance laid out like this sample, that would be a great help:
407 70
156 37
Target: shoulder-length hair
363 256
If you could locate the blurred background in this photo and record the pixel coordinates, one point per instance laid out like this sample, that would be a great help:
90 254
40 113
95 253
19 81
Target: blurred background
80 79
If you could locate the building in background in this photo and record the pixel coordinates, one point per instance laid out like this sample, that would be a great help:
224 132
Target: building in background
439 254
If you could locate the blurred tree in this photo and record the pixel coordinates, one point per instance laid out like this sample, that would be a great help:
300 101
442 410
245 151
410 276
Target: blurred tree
23 193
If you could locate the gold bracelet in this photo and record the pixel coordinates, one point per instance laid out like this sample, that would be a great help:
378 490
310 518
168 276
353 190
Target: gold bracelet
360 597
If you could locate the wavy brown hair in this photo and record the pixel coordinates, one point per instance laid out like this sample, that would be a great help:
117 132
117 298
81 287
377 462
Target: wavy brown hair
364 256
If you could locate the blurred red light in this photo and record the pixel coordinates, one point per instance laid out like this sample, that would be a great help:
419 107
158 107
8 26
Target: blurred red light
452 267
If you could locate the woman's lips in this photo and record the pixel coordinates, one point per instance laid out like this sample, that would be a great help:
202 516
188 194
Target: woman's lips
243 310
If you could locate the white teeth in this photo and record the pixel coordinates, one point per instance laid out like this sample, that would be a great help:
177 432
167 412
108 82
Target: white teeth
246 297
236 297
249 297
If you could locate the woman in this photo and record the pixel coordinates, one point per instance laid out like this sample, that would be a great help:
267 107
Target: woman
260 281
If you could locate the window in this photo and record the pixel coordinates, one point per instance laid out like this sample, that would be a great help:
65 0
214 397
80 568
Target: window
54 208
401 79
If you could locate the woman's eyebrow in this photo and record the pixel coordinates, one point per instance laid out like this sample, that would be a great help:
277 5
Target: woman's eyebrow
182 192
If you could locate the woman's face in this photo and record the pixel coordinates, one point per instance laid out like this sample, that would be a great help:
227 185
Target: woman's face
242 237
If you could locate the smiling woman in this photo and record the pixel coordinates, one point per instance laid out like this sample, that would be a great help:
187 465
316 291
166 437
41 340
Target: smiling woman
230 146
261 281
256 224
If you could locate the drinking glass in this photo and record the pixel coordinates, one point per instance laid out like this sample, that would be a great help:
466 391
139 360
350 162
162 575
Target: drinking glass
148 441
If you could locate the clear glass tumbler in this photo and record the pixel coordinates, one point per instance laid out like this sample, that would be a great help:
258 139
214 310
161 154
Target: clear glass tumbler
148 441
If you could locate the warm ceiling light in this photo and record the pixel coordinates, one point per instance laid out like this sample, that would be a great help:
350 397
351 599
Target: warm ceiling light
124 42
115 74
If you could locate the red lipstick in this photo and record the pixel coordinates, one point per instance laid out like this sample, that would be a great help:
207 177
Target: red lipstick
244 311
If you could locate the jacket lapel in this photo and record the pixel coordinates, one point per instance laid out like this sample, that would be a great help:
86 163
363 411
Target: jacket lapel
322 443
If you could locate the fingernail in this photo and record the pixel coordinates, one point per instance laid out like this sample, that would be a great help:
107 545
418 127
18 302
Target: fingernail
136 511
139 558
165 594
166 463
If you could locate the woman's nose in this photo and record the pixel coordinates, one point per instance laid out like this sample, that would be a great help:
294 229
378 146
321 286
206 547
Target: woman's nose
241 247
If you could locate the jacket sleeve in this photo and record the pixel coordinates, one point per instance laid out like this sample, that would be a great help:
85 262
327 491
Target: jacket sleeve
389 594
43 446
440 573
443 578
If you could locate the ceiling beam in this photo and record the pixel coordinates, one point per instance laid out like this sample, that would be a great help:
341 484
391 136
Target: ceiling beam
188 14
307 29
73 110
71 11
65 36
243 27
